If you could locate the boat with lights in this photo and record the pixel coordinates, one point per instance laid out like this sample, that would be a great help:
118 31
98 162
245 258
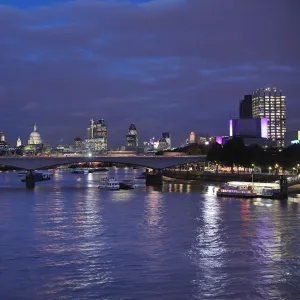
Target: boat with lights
249 189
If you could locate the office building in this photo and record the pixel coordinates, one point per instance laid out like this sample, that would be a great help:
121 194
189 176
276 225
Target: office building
246 107
132 141
270 103
78 144
96 137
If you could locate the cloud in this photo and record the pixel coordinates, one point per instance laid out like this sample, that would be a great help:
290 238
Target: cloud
182 65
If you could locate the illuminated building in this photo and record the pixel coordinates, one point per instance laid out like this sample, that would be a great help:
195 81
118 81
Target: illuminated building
155 145
246 107
2 137
252 131
35 137
96 136
35 143
78 144
4 147
63 149
193 138
19 143
132 141
270 103
257 128
165 141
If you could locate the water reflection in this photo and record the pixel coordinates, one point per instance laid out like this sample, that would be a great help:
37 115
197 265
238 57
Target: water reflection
208 251
78 237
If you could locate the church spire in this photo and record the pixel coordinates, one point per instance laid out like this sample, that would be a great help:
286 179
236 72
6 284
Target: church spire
34 127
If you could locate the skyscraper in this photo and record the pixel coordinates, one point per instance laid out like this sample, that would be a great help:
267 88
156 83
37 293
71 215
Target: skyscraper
132 141
270 103
96 136
246 107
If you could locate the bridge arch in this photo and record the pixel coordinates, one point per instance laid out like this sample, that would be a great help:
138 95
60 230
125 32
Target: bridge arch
153 162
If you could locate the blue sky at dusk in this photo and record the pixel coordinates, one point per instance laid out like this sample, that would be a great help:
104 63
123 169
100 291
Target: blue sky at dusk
167 65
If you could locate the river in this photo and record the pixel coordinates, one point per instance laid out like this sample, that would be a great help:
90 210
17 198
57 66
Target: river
66 239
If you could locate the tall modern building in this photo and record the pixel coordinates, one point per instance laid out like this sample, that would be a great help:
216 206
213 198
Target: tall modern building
132 141
2 137
246 107
96 136
270 103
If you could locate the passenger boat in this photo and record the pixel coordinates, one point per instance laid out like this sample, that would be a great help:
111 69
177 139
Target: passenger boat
249 189
109 184
236 191
126 185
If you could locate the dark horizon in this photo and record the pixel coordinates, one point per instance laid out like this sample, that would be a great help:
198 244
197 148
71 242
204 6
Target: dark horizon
176 66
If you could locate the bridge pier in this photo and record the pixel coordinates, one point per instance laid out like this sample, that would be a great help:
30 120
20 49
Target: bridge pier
283 187
154 178
29 179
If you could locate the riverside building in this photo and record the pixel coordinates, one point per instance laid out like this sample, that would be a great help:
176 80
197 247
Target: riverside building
270 103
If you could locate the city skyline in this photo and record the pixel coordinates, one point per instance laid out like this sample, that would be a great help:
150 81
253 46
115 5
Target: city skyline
125 61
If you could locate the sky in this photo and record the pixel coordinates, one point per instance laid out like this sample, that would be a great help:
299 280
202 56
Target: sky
166 65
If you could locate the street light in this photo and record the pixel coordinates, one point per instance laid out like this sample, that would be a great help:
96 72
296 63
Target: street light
270 168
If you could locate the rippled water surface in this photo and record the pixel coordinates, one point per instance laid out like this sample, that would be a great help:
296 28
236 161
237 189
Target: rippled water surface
69 240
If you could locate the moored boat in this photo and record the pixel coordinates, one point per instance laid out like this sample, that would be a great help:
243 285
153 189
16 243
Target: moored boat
236 191
126 185
109 184
249 189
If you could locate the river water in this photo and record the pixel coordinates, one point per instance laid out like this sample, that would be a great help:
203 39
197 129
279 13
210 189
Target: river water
66 239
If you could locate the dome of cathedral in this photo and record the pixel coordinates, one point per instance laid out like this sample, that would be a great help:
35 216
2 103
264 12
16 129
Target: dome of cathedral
35 138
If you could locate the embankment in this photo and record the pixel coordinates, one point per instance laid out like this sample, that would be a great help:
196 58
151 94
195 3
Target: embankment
217 177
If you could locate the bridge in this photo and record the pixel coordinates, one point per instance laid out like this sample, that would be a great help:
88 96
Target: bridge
47 162
157 163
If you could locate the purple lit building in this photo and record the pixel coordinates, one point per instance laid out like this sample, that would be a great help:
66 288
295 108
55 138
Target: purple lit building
252 131
257 128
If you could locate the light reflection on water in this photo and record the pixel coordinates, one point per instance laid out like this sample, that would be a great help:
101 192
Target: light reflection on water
209 251
69 240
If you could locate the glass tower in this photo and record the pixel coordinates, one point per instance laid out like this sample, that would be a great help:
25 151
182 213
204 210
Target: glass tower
270 103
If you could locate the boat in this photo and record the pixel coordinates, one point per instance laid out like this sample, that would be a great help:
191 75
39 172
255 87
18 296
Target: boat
22 174
39 176
236 191
109 184
80 171
100 170
249 189
127 185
